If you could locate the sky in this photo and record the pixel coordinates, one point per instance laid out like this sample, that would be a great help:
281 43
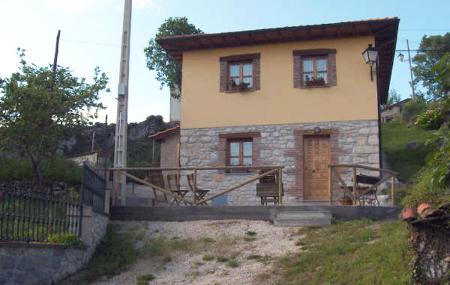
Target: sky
91 34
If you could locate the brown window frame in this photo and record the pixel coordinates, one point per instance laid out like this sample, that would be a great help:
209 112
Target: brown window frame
241 155
315 82
241 64
226 61
324 53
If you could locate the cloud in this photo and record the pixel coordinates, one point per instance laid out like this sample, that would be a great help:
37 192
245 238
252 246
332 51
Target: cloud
77 6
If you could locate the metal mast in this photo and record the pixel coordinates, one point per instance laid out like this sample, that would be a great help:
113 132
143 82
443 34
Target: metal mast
120 146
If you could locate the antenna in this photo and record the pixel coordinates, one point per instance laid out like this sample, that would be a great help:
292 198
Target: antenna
120 143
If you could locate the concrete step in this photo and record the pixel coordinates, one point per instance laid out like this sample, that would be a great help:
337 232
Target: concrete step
302 218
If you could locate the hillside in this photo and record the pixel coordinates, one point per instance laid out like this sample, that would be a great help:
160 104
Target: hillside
407 161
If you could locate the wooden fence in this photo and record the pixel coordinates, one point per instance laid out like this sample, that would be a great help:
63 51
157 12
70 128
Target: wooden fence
119 192
355 191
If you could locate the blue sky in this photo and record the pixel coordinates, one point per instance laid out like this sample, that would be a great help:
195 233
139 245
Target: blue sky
91 33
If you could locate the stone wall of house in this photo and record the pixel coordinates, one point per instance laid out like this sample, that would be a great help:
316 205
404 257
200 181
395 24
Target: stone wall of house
23 263
351 142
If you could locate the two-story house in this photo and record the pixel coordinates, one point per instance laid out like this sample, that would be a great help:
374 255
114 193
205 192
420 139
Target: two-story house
301 97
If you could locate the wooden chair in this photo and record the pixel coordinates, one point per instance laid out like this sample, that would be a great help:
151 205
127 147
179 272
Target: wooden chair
367 190
199 193
158 180
174 185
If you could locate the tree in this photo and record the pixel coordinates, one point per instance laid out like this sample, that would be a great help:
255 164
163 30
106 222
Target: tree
432 51
394 97
168 70
34 113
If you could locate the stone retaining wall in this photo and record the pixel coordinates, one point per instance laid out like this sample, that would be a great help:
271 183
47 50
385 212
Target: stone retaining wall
30 264
351 142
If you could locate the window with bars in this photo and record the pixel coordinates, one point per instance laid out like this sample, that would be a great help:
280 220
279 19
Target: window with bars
240 152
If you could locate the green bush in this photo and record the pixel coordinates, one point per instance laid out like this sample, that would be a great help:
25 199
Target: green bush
56 170
412 109
433 182
62 170
15 169
431 119
65 239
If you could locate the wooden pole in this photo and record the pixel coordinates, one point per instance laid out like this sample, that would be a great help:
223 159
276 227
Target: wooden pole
355 185
280 186
237 186
393 190
55 61
194 187
158 188
330 184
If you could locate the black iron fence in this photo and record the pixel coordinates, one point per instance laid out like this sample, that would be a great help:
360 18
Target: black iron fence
33 216
36 216
93 188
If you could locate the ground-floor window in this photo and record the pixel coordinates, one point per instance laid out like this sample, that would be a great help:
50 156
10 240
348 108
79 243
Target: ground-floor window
239 152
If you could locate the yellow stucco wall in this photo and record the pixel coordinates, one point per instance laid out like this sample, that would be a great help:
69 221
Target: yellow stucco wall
278 102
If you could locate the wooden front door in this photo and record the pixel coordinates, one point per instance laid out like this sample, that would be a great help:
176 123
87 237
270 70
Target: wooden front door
315 169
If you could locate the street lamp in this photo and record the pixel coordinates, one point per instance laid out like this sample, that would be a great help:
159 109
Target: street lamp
401 56
370 55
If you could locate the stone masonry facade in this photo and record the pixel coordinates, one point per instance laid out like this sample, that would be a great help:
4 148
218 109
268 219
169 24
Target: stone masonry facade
351 142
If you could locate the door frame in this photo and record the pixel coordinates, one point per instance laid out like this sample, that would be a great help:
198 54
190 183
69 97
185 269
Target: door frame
304 164
333 134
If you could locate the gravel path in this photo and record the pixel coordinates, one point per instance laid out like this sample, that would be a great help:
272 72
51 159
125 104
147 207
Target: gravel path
189 267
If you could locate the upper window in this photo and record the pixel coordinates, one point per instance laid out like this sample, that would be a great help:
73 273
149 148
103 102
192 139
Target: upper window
240 75
315 71
240 152
314 68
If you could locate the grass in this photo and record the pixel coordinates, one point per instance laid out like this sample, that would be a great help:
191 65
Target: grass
114 254
407 162
208 257
144 279
358 252
260 258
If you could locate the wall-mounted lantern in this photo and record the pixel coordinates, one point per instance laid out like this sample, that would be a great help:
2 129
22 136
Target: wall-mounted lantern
370 55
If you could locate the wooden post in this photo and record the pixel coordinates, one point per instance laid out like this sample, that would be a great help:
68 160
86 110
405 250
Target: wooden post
355 185
393 189
116 187
194 187
178 164
280 185
330 184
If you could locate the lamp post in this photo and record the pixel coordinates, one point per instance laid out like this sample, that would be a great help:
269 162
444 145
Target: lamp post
370 55
401 56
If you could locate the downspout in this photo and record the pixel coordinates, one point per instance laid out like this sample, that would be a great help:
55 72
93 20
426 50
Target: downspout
380 155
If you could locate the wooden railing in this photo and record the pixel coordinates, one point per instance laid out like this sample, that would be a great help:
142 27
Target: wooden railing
352 190
119 192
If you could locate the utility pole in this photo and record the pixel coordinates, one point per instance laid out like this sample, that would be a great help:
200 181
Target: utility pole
55 61
413 95
120 142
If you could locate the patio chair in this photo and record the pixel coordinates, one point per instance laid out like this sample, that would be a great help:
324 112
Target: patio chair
200 193
173 181
158 180
365 194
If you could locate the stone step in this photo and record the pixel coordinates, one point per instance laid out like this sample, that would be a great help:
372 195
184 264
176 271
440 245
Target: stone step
302 218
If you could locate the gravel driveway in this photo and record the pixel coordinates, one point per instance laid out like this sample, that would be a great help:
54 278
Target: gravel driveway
252 245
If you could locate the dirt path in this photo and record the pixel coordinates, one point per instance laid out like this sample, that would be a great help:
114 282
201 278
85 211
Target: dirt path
206 252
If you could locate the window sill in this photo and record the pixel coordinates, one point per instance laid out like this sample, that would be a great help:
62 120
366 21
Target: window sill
240 91
316 86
